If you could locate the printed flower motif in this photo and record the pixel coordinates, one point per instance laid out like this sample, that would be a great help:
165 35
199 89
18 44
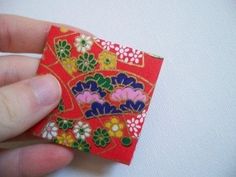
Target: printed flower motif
142 116
62 48
134 126
81 145
69 65
122 52
135 55
50 131
86 62
64 124
107 45
83 43
101 137
82 130
115 127
65 139
107 60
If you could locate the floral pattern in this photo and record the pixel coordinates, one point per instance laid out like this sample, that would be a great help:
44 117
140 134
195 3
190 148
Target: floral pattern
50 131
69 64
64 124
83 43
101 137
106 45
142 116
65 139
122 52
133 126
82 130
62 48
86 62
106 92
107 60
115 127
135 56
81 145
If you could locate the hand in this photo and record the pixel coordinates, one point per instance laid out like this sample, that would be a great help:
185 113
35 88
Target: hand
25 98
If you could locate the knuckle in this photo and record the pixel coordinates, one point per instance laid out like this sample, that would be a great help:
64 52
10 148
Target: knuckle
5 35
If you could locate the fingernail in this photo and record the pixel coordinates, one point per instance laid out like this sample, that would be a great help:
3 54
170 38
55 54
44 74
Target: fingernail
46 89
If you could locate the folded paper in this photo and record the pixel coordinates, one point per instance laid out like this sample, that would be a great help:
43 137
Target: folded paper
106 91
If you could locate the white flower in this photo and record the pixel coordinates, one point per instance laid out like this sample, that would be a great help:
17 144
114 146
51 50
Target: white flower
135 55
122 52
50 131
142 116
83 43
134 126
82 130
107 45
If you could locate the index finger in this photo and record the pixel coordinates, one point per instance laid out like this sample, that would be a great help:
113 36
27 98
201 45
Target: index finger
21 34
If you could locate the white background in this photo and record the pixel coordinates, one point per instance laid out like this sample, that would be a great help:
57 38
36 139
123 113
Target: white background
190 130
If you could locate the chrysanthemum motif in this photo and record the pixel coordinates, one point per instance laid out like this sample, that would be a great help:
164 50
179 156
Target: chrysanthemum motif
50 131
69 64
81 145
65 139
101 137
107 60
64 124
81 130
83 43
115 127
62 48
86 62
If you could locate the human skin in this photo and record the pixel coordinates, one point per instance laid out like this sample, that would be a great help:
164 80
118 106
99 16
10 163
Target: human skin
25 98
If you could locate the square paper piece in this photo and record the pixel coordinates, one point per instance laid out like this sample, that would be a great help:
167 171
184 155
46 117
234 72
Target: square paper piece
106 91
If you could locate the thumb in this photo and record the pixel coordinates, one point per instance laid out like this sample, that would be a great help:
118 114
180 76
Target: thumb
25 103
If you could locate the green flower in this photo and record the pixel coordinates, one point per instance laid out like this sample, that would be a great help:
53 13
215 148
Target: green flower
81 145
61 106
62 49
101 137
86 62
64 124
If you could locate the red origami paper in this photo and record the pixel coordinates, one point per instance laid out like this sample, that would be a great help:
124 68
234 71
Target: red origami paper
106 91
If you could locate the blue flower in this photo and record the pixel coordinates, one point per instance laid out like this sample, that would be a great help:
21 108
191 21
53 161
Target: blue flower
98 109
123 79
88 85
130 106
